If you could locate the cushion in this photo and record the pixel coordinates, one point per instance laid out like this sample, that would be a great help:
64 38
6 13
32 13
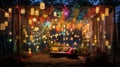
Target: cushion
65 49
54 49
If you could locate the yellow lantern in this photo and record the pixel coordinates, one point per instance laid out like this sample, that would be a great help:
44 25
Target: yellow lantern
42 5
31 37
106 11
75 43
37 12
26 36
103 17
45 15
29 51
24 41
34 19
95 41
97 9
22 11
32 11
10 10
6 14
98 19
2 26
10 33
37 47
36 28
106 42
55 14
71 38
53 26
6 23
29 21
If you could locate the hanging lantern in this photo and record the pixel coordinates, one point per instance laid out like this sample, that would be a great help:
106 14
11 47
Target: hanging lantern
34 19
36 28
71 38
26 36
95 37
45 15
98 19
54 27
10 40
103 17
2 26
68 25
106 11
6 14
97 9
95 41
30 22
10 10
56 19
31 37
106 42
29 51
32 10
55 14
22 11
6 23
10 33
42 5
24 41
37 12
